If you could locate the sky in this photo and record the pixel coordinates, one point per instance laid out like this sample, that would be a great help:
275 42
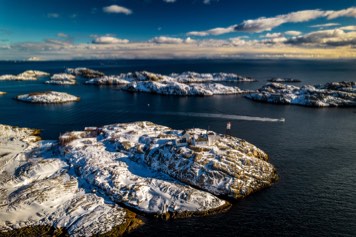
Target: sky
170 29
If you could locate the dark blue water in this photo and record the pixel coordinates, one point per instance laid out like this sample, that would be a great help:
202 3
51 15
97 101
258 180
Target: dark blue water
314 150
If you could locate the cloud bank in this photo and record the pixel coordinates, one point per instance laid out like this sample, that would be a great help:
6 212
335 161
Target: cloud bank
268 23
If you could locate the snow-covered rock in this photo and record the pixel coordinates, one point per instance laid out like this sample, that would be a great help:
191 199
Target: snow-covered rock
85 72
194 77
188 83
222 165
114 172
2 92
37 189
48 97
76 183
62 79
334 94
339 86
285 79
108 80
25 76
125 78
177 88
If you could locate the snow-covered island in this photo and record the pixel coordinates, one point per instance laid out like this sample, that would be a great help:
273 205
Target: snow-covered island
29 75
48 97
180 84
334 94
77 182
38 190
84 72
284 79
194 77
62 79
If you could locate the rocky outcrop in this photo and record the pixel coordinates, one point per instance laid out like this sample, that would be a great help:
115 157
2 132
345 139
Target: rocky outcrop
107 80
76 184
181 89
38 190
85 72
224 166
28 75
185 84
2 93
48 97
194 77
62 79
334 94
285 79
113 171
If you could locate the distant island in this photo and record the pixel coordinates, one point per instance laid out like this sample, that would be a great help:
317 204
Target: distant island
333 94
47 97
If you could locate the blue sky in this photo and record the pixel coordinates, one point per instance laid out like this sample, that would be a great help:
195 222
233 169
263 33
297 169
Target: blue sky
36 28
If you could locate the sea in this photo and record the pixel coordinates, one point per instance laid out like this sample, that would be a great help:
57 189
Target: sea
314 149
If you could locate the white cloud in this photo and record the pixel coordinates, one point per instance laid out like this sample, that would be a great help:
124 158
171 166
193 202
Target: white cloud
53 15
209 1
266 24
293 33
334 38
215 31
349 12
210 48
109 40
166 40
347 28
238 41
117 9
189 40
273 35
325 25
198 33
63 35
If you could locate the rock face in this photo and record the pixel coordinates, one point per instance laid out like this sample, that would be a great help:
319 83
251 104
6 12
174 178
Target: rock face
48 97
215 163
133 184
84 72
107 80
334 94
194 77
185 84
77 183
62 79
29 75
36 189
181 89
279 79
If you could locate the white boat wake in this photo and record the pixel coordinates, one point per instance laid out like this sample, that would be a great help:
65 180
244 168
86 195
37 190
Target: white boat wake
223 116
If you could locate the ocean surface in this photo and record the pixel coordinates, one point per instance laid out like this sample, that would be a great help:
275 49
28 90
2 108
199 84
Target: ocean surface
314 150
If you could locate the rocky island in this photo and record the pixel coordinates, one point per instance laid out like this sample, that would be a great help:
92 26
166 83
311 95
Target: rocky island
47 97
334 94
77 182
29 75
84 72
284 79
62 79
2 93
194 77
37 190
185 84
